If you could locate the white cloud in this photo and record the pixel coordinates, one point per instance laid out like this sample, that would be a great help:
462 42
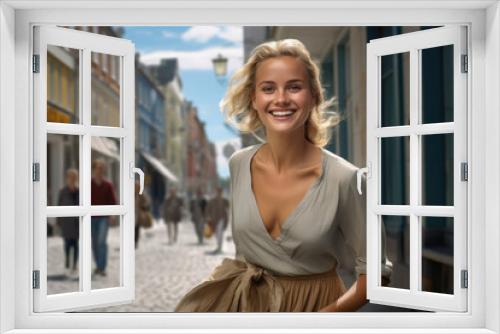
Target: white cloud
200 34
203 34
199 59
232 34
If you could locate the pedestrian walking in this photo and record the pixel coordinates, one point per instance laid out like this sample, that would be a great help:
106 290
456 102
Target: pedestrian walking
143 216
70 226
197 207
102 193
296 212
217 215
172 212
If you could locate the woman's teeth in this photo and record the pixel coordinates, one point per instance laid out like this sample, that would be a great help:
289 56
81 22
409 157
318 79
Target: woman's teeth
281 113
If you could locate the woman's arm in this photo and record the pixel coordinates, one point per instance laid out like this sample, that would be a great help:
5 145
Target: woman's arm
352 300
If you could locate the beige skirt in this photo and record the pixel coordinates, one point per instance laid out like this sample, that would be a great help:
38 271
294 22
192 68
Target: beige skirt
237 286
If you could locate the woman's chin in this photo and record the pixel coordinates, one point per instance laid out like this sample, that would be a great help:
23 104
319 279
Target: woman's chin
283 129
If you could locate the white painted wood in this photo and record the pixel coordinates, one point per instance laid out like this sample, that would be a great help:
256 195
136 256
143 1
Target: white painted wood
485 132
80 129
7 167
414 42
85 174
77 211
86 297
127 106
79 39
418 129
483 196
415 172
406 210
104 131
246 4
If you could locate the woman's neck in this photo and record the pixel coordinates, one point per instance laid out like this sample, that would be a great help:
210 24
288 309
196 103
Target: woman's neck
288 151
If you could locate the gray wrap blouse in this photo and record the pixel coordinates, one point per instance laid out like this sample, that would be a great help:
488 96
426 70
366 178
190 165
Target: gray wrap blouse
327 228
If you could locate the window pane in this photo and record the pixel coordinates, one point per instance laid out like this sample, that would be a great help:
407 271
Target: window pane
106 251
105 92
395 172
437 169
63 170
105 168
63 76
63 255
395 89
437 84
437 254
397 229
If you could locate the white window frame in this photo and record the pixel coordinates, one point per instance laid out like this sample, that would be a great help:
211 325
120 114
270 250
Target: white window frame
483 17
86 43
413 43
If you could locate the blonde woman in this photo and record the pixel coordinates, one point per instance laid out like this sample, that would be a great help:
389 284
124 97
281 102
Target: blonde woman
295 209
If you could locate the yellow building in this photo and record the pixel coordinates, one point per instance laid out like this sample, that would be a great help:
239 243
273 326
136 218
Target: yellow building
62 85
62 107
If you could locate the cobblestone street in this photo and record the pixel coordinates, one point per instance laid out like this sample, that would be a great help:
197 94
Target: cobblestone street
164 273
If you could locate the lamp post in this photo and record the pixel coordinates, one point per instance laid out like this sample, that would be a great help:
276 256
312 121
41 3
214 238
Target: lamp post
220 68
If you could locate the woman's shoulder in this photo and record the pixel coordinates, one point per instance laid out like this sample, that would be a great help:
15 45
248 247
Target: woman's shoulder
340 167
239 156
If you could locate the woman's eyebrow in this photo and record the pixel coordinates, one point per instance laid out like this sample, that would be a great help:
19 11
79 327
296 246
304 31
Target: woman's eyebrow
272 82
265 82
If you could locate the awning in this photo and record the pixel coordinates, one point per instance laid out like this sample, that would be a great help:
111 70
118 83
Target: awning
106 147
160 167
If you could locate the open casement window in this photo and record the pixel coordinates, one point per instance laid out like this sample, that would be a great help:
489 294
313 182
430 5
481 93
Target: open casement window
417 168
82 115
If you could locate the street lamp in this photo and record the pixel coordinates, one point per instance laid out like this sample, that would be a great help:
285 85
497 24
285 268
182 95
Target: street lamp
220 68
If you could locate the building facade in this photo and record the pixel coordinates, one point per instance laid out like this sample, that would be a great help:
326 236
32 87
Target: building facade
150 134
201 157
167 75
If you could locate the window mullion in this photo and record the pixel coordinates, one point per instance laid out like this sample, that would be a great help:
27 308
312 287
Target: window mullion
85 240
414 178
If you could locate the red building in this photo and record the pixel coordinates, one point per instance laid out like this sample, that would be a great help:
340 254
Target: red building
201 155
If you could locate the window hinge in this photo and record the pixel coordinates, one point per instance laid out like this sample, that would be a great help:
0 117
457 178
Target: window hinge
465 64
464 171
36 63
36 279
36 172
465 279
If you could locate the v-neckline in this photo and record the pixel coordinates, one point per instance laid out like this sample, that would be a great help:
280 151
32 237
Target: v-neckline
296 210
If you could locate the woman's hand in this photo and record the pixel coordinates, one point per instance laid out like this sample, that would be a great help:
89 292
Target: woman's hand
352 300
329 308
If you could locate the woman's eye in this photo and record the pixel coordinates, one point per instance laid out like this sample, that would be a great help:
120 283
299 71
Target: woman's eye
295 88
268 89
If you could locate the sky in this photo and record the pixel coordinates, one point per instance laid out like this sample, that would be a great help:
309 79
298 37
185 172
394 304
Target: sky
195 47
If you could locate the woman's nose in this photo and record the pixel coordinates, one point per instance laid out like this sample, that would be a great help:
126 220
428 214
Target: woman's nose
282 97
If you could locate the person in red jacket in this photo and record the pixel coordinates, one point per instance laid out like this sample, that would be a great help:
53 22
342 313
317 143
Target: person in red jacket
102 193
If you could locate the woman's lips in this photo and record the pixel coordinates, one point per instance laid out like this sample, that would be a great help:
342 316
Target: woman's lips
282 114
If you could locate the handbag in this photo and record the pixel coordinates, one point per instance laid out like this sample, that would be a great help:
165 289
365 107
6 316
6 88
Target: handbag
208 231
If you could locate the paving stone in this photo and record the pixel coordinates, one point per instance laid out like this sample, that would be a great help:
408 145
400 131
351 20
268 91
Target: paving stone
164 273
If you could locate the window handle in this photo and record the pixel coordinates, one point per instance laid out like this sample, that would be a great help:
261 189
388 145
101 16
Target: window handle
133 171
365 170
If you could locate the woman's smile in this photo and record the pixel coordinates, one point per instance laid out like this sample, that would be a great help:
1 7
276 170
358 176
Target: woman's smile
282 114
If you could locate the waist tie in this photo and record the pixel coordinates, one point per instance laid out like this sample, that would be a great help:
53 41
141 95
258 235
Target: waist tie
235 286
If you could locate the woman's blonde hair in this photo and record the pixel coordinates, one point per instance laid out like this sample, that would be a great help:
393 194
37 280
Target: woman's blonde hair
237 104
